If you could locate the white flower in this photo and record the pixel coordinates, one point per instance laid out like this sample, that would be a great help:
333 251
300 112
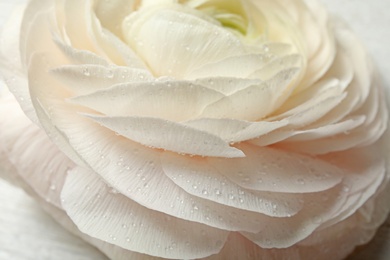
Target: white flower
197 129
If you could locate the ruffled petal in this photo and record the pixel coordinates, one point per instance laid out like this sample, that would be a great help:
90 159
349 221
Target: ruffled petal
114 218
155 33
268 169
165 99
199 178
170 136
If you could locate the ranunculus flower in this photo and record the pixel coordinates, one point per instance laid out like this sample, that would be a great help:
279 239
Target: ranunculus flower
183 129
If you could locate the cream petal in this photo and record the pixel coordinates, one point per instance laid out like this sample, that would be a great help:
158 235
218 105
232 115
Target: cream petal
268 169
277 65
313 109
253 102
328 130
35 158
78 25
168 135
112 13
113 47
232 66
39 79
141 177
359 60
165 99
121 221
10 61
319 41
365 172
197 177
285 232
364 135
239 247
155 35
33 14
34 21
87 79
112 251
227 85
17 83
234 131
84 57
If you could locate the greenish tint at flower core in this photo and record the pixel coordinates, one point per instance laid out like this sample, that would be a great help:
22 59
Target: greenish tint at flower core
229 13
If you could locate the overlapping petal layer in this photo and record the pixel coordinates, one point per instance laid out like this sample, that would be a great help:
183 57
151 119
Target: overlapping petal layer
197 129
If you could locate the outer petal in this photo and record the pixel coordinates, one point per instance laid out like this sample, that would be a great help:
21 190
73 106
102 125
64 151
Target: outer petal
166 135
268 169
114 218
199 178
35 158
132 169
166 99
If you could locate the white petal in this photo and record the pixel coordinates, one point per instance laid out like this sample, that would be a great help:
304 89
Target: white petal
121 221
112 13
283 233
163 134
253 102
232 67
113 47
268 169
171 100
199 178
234 131
131 168
327 130
35 158
163 39
86 79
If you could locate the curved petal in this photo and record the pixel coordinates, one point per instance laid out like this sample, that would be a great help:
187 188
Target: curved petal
171 100
87 79
234 131
155 35
255 101
268 169
114 218
167 135
35 158
199 178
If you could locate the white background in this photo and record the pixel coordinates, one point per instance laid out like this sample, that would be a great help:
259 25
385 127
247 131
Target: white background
26 232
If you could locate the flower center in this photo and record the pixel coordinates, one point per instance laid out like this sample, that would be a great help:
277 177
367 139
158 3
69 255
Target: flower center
229 13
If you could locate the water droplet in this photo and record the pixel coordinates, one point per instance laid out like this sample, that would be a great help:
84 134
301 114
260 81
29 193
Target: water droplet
113 191
317 220
194 186
217 192
53 187
124 226
301 181
205 192
86 72
346 189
